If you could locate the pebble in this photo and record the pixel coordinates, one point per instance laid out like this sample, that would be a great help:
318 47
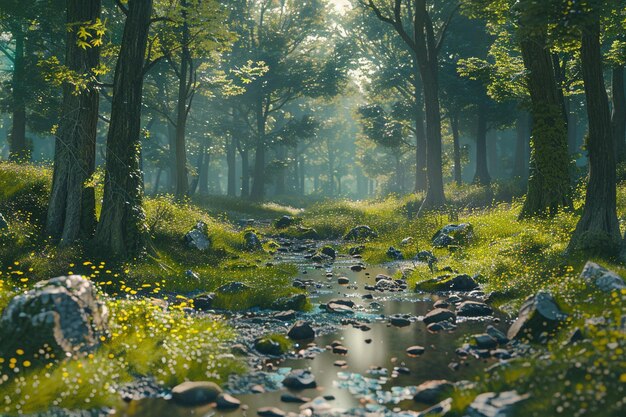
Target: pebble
271 412
227 402
415 350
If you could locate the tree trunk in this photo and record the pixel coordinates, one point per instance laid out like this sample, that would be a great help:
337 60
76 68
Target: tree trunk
421 181
618 118
549 182
18 147
157 181
302 175
458 169
72 206
281 152
520 167
258 185
597 232
231 161
121 231
184 86
245 173
481 177
201 168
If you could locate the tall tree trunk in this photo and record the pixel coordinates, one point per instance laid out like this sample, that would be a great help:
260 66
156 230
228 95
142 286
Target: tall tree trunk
618 118
258 185
245 172
157 181
231 161
549 182
201 168
421 180
282 171
481 177
597 232
121 231
18 146
302 165
458 169
72 206
520 167
184 86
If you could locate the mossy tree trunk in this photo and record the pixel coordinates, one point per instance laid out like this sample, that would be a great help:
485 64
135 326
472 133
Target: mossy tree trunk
185 81
458 169
258 184
18 146
597 232
72 207
522 144
549 182
618 118
481 176
421 180
121 231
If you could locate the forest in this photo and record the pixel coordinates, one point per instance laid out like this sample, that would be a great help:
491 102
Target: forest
283 208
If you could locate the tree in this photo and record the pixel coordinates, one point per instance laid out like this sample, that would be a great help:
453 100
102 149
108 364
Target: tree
72 206
121 230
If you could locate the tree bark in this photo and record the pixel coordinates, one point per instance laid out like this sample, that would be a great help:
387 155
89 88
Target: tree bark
281 175
597 232
72 205
421 179
245 172
458 169
18 146
121 231
231 161
184 86
549 182
481 177
618 118
258 184
520 167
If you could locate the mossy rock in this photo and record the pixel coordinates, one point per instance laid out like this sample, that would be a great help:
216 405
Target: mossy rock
274 345
448 283
296 302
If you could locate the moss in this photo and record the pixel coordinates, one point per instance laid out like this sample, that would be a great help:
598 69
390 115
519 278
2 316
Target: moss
273 344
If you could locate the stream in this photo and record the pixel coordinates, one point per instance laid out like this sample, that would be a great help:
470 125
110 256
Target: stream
378 378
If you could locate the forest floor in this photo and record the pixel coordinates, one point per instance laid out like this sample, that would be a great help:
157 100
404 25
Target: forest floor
159 338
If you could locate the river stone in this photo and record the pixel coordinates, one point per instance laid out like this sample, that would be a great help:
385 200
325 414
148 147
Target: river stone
3 223
441 409
195 393
300 379
293 399
271 412
204 302
446 283
284 222
233 288
400 321
65 314
347 303
473 309
361 233
329 251
252 243
538 314
602 278
301 330
453 234
227 402
491 404
356 250
268 346
441 326
284 315
357 268
497 335
431 392
415 350
485 341
426 256
294 302
197 237
343 280
394 254
438 315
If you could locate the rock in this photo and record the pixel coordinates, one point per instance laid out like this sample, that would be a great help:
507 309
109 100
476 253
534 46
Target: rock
602 278
497 335
493 404
453 234
340 364
431 392
538 314
294 302
227 402
438 315
400 321
3 223
284 315
484 341
441 409
390 285
301 330
426 256
473 309
441 304
361 233
357 268
347 303
406 241
293 399
195 393
270 412
252 243
394 254
197 237
447 283
284 222
329 251
441 326
338 308
343 281
300 379
204 302
269 346
340 350
307 233
233 288
64 313
415 351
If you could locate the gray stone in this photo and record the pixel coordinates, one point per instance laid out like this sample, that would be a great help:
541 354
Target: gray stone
499 336
415 351
329 251
491 404
195 393
441 409
65 313
284 222
343 280
233 288
394 254
602 278
438 315
301 330
453 235
252 243
431 392
293 399
270 412
268 346
294 302
400 321
300 379
447 283
538 314
227 402
204 302
485 341
361 233
197 237
473 309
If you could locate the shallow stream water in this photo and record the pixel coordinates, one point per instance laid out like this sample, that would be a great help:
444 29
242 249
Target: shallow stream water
368 383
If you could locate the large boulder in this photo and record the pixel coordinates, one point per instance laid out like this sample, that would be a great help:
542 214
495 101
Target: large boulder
431 392
539 314
64 314
197 237
439 315
602 278
252 243
196 393
448 283
453 235
235 287
284 222
294 302
300 379
491 404
394 254
473 309
301 330
361 233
